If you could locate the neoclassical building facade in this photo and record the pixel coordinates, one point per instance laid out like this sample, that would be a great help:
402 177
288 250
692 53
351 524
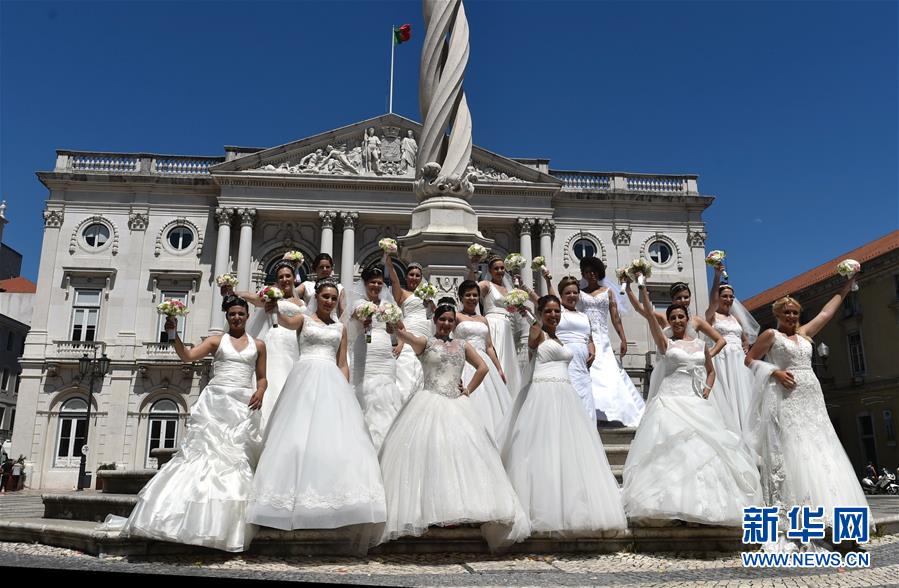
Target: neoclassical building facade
122 231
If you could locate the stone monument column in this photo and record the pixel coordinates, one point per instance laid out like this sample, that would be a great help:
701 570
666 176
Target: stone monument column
524 228
327 217
547 227
223 218
245 247
348 253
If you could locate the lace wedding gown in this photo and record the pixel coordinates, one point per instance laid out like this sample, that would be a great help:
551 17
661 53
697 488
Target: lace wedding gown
491 399
733 384
554 457
683 462
408 368
318 468
502 334
803 461
439 463
200 496
614 394
281 352
574 332
375 381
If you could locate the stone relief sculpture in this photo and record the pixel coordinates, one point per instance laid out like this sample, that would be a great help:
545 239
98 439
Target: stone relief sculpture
410 152
371 151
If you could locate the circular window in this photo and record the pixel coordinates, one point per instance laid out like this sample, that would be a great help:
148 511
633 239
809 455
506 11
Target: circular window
660 252
180 238
584 248
95 235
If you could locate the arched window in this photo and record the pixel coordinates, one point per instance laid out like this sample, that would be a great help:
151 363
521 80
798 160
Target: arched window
584 248
163 429
302 272
71 435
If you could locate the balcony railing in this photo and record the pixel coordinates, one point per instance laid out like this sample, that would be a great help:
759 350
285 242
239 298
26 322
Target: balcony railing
581 181
153 350
75 349
134 163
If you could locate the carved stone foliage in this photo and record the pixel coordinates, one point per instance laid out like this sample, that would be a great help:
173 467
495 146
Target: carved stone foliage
53 219
327 218
621 235
547 227
489 174
696 237
138 221
223 216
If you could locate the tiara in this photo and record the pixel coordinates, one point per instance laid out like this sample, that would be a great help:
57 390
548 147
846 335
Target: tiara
324 282
414 264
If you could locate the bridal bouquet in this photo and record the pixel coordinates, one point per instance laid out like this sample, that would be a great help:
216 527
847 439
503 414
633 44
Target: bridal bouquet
426 291
638 271
848 268
515 300
538 262
514 262
621 274
365 311
294 256
716 258
476 251
172 307
226 280
389 313
271 293
388 245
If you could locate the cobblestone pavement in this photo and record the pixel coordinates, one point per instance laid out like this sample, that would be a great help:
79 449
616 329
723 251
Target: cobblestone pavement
620 569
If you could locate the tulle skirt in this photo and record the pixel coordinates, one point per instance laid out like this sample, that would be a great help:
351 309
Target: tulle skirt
732 393
200 496
440 467
318 468
684 464
581 380
504 345
614 394
491 399
557 464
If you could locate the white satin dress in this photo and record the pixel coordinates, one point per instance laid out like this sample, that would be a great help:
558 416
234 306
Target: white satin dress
574 332
502 334
733 383
491 399
408 368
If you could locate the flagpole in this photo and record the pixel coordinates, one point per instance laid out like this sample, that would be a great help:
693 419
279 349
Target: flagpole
392 49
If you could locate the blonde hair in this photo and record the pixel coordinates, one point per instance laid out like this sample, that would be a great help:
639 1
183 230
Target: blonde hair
778 307
568 281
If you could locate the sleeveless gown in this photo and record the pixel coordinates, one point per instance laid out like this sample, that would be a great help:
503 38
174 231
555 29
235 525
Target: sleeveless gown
491 399
439 463
614 394
554 456
683 462
375 381
502 334
200 496
408 368
574 332
318 468
733 384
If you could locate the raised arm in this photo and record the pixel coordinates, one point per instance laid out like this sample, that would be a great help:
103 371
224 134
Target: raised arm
399 293
709 374
491 353
649 314
251 297
261 380
341 356
417 343
713 296
190 355
294 322
475 359
760 349
709 331
812 327
616 322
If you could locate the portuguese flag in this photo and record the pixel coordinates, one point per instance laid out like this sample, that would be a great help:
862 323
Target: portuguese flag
402 34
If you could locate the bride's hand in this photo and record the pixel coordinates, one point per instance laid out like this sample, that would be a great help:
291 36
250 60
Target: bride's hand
397 349
785 379
271 305
255 402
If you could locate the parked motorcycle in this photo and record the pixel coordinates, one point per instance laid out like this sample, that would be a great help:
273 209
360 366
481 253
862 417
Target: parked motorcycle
885 484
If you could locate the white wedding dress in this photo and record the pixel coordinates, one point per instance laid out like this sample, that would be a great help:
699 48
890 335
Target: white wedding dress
200 496
733 384
375 381
574 332
683 462
281 352
318 468
614 394
491 399
803 461
439 463
408 368
502 334
554 457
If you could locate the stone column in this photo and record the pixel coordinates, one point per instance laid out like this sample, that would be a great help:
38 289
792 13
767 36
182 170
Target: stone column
245 247
348 256
223 218
547 228
524 226
327 217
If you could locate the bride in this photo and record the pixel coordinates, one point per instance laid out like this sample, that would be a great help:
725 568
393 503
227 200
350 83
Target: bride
318 468
415 318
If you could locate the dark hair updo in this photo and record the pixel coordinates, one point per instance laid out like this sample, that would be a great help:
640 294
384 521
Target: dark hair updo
724 287
678 287
466 286
445 304
326 283
285 263
319 258
232 300
371 273
544 300
595 265
671 308
493 259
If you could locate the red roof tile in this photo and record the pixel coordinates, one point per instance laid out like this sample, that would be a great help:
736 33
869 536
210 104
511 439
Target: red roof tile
18 285
824 271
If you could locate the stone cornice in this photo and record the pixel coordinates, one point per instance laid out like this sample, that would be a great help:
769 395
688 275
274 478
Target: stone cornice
568 197
102 181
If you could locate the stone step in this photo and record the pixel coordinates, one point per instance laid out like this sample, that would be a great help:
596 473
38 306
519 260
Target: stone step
617 435
618 472
124 481
617 454
89 537
87 506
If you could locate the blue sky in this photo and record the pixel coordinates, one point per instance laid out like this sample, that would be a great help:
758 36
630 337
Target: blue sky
786 110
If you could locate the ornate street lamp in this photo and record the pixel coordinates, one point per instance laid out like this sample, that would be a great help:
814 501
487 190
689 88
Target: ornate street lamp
93 367
823 351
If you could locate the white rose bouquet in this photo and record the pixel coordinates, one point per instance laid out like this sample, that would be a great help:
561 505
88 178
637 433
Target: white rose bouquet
538 262
363 312
294 256
621 274
476 251
426 291
638 271
226 280
389 313
271 293
716 258
515 300
514 262
388 245
848 268
172 307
